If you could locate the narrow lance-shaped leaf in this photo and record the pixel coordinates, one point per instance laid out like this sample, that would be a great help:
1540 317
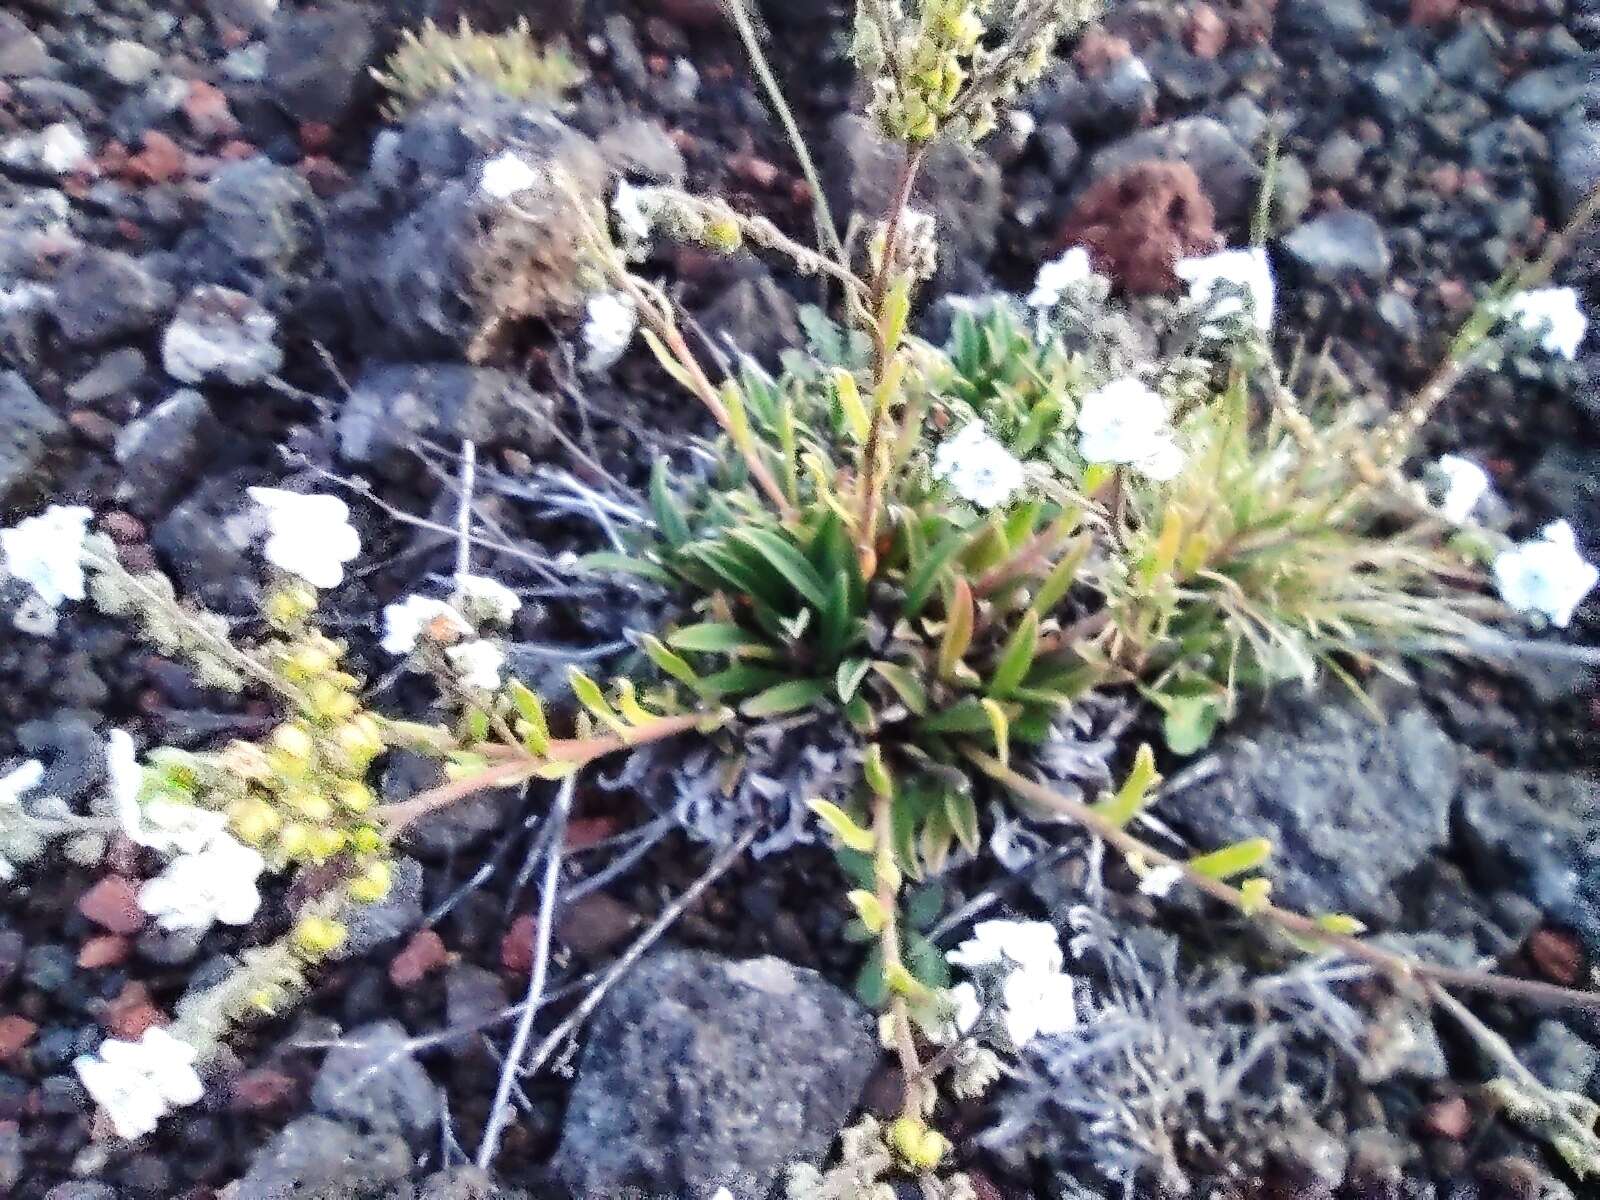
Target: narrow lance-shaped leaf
1135 791
961 810
669 520
1000 726
849 676
669 364
609 562
896 309
868 909
843 826
1061 578
1233 860
671 664
628 704
536 731
855 412
905 684
788 562
876 772
1017 656
784 698
1342 924
710 637
925 575
958 628
591 697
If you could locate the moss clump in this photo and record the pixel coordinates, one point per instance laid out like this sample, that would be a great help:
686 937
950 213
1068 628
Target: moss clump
430 61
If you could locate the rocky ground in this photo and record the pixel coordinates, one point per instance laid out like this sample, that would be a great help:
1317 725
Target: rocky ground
220 266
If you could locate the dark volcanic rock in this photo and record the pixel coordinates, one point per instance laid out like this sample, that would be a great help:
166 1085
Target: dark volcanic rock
371 1080
165 450
223 336
1339 244
316 59
1227 173
700 1072
28 429
260 233
313 1158
395 406
1349 803
102 295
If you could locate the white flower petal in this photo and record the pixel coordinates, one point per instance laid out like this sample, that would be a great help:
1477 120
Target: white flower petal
197 890
1465 486
978 468
496 600
1125 423
46 552
1056 277
609 325
1159 881
1249 270
1546 575
1554 315
1025 945
478 663
308 535
404 622
506 174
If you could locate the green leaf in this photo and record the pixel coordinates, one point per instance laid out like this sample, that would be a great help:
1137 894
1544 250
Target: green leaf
849 676
784 698
1017 656
964 716
671 664
842 826
872 989
606 561
857 866
876 772
958 628
673 528
741 679
855 412
591 697
1135 791
923 580
962 812
536 736
896 308
1061 578
1000 726
1342 924
924 906
669 364
711 637
1040 421
905 684
788 562
1233 860
1190 722
927 962
868 908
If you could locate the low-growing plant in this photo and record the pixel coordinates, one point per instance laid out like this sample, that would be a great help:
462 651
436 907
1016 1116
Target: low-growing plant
929 561
430 61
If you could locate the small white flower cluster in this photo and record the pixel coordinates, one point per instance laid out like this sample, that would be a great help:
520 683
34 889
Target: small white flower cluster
14 785
309 536
978 468
478 662
1128 424
46 553
1019 967
1553 315
1546 575
1464 486
138 1083
1212 277
1056 276
610 321
212 877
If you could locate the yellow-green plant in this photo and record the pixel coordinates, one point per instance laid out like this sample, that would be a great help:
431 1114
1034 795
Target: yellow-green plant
430 61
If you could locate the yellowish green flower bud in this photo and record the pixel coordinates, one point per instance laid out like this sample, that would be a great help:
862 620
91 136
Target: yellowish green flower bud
331 702
254 821
373 884
354 796
365 839
722 234
919 1146
325 843
294 741
295 840
317 937
289 605
312 805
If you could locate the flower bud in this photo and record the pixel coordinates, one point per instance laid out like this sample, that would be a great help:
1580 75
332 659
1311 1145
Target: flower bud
354 796
723 235
295 840
317 937
255 821
293 740
325 843
245 760
365 839
288 606
331 702
313 806
373 884
359 740
919 1146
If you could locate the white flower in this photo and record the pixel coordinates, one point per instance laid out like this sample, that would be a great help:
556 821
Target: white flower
1159 881
978 468
309 535
1553 315
609 325
1125 422
216 884
506 174
12 786
478 664
167 826
403 622
47 552
1037 1003
629 205
138 1083
954 1017
1057 276
1465 485
493 599
1546 575
1249 270
1022 945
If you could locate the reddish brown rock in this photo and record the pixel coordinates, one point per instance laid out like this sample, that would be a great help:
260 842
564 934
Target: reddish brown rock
15 1033
1434 12
206 109
1557 956
1099 51
757 172
261 1089
315 137
1205 33
583 832
516 947
1137 223
107 951
130 1013
424 954
1450 1118
113 904
596 924
125 528
161 161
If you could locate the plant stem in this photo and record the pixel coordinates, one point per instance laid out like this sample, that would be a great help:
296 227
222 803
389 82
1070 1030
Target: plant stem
580 751
889 939
827 231
1399 967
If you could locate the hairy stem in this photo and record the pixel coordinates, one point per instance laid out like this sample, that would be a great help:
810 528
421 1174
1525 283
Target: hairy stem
1399 967
889 938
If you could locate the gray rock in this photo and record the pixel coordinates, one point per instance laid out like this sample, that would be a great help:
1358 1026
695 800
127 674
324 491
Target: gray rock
392 918
117 373
82 1189
1576 165
1227 172
1312 1159
466 1183
756 315
395 406
642 148
1115 101
165 450
29 428
1339 158
1559 1056
221 336
73 754
128 62
1399 316
102 295
313 1158
959 186
1186 77
1548 92
21 51
1567 479
315 59
1061 152
205 540
260 233
372 1080
1398 85
1341 243
1469 57
1243 118
1345 25
57 150
1291 193
1350 804
1509 147
700 1072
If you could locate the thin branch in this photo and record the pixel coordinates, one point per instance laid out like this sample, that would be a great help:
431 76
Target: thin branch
729 855
501 1111
469 475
